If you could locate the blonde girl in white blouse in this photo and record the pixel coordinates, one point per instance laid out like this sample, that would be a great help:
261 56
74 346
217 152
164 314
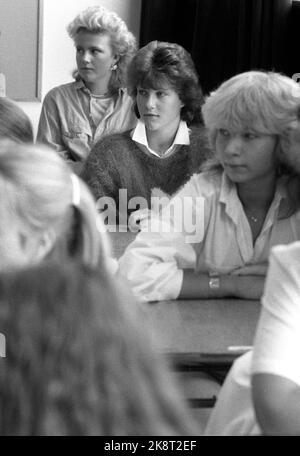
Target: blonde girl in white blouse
261 394
214 238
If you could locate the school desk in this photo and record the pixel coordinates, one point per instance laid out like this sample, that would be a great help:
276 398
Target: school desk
203 335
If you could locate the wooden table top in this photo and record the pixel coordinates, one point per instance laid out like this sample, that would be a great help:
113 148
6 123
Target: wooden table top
209 326
193 329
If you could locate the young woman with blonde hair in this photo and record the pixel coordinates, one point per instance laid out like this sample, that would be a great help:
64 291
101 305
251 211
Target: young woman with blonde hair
261 392
213 239
76 115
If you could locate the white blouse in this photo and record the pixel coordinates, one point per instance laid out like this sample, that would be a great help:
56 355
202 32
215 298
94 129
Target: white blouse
204 228
277 341
182 137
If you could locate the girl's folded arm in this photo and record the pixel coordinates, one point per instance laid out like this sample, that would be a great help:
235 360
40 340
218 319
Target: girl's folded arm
197 286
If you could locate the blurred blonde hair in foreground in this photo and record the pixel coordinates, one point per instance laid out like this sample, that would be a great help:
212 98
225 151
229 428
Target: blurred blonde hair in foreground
77 363
49 202
14 123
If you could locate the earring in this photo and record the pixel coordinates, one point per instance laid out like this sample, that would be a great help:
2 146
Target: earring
114 67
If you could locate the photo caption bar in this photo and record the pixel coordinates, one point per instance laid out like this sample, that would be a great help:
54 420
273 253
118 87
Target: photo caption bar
143 445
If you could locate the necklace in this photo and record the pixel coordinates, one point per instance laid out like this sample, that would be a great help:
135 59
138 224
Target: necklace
258 217
251 217
254 219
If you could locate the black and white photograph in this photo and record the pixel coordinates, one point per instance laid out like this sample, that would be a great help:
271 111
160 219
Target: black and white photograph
150 221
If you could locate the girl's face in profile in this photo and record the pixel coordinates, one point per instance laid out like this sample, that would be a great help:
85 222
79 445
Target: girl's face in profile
94 56
159 108
246 155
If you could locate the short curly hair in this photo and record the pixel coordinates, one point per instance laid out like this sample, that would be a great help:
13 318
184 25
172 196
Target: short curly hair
97 19
161 62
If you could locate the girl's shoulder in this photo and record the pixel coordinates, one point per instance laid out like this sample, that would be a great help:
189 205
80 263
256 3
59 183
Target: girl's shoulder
118 147
62 90
117 141
206 183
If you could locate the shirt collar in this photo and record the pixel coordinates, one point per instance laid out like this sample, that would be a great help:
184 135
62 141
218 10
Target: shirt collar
79 84
229 196
182 136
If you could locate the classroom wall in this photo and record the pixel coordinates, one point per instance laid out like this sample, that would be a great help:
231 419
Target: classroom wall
58 56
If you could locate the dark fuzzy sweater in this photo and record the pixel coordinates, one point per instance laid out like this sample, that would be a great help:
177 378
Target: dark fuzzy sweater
116 162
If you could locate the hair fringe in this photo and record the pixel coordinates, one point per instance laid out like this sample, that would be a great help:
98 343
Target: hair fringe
162 62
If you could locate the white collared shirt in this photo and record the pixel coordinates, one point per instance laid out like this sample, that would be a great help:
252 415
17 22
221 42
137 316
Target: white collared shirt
276 347
277 340
140 137
154 262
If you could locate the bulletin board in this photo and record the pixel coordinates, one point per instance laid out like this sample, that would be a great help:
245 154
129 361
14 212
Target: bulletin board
21 48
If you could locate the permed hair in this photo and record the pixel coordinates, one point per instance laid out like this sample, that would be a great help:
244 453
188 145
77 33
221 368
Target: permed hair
265 102
160 63
79 362
14 123
259 101
97 19
38 192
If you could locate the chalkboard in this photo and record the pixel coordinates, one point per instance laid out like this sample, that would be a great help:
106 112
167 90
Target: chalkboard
21 48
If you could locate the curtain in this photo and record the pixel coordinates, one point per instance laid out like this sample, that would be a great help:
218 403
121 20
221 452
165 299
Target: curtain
168 20
224 37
